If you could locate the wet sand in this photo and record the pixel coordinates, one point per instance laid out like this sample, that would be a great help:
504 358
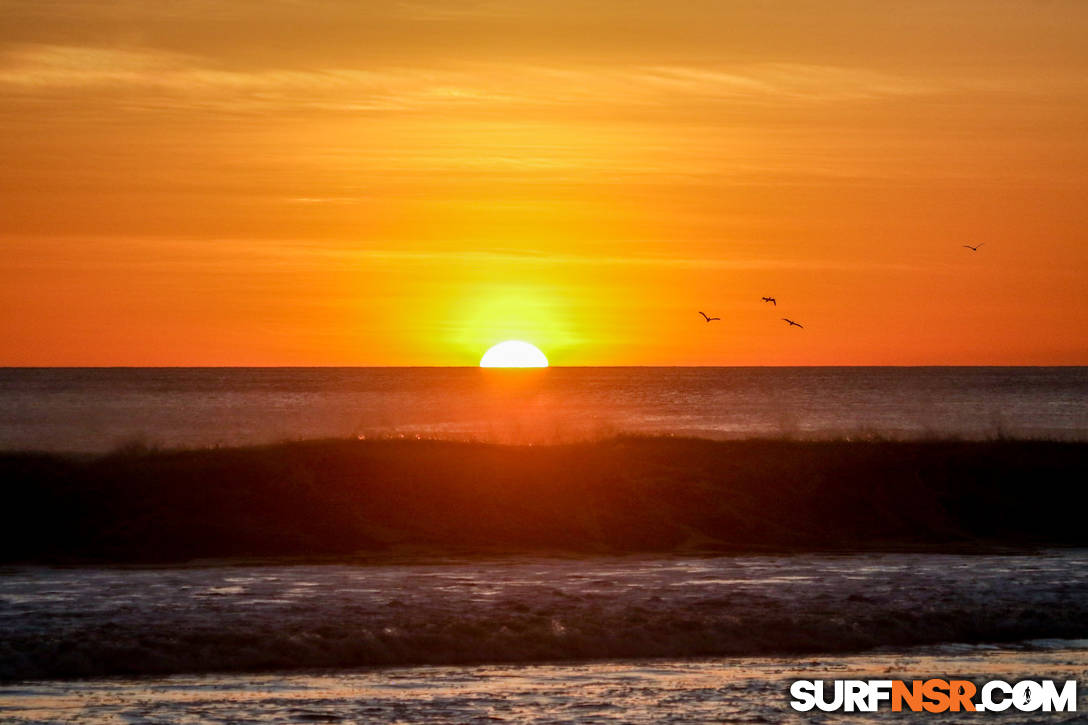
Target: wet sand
748 690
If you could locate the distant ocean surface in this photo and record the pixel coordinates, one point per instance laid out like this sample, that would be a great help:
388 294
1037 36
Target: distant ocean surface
97 409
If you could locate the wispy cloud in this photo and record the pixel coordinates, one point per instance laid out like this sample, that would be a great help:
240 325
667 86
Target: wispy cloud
604 259
170 79
445 10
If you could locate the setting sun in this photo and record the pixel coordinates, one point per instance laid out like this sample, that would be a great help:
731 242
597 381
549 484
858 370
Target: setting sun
514 354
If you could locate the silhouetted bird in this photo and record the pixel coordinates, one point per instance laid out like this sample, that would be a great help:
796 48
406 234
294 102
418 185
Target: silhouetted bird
772 300
793 324
708 319
974 248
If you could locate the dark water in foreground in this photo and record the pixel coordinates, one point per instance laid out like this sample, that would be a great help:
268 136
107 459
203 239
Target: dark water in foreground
86 622
727 636
98 409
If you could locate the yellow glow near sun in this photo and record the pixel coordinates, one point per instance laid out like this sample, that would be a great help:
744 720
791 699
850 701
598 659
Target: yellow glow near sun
514 354
486 313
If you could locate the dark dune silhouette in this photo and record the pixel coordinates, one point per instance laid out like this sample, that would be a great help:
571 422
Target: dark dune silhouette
376 498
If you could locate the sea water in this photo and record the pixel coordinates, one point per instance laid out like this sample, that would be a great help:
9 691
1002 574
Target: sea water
623 639
96 409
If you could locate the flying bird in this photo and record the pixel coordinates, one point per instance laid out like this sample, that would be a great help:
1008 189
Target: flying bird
975 247
793 324
708 319
772 300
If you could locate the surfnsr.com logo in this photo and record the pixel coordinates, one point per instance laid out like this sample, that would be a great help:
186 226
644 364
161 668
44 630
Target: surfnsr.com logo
934 695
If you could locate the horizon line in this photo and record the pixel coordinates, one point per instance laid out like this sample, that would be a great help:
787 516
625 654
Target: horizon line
477 367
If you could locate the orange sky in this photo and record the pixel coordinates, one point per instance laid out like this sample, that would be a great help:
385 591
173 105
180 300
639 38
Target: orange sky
329 182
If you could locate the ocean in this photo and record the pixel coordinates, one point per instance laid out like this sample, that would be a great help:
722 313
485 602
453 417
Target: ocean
598 639
98 409
637 638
